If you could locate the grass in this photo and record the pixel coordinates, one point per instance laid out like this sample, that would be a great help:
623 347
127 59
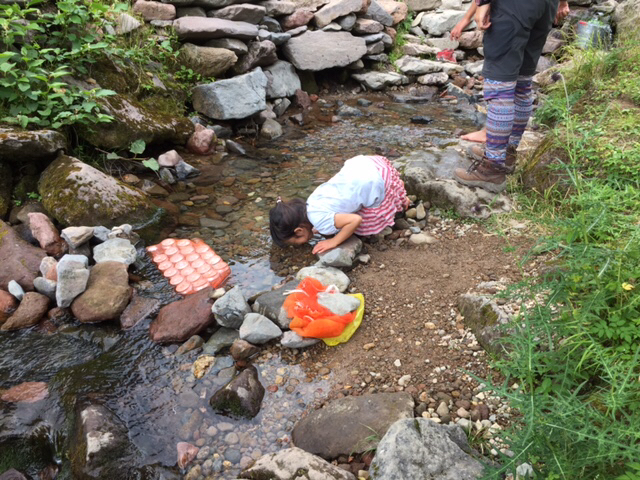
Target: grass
576 352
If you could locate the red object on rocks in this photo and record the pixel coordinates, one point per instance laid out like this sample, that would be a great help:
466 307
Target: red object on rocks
190 265
447 55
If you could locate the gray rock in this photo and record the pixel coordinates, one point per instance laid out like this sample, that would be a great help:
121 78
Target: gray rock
416 66
352 424
422 5
17 145
207 61
76 236
73 275
380 80
298 30
421 239
195 342
234 98
338 303
379 14
373 38
260 54
444 43
474 68
271 24
288 463
169 159
485 319
243 12
46 287
366 26
347 111
291 339
419 448
222 338
282 80
232 44
190 12
428 174
258 329
380 58
347 22
270 304
235 147
338 8
320 50
281 105
101 233
343 255
230 310
241 397
16 290
184 171
196 28
127 24
271 129
442 22
276 37
278 8
417 49
138 309
332 27
375 48
438 78
213 223
326 275
115 250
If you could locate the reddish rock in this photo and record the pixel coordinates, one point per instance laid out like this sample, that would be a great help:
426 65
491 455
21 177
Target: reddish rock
31 309
186 453
178 321
203 141
241 350
49 268
471 39
296 19
302 99
170 158
8 305
20 260
397 10
154 10
107 294
391 32
28 392
47 234
138 309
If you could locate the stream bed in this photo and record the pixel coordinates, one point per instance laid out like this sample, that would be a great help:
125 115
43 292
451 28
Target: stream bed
153 391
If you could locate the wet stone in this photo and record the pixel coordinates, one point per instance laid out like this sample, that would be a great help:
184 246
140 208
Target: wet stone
222 338
194 342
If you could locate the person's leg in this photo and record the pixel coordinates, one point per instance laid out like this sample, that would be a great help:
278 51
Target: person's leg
523 106
500 116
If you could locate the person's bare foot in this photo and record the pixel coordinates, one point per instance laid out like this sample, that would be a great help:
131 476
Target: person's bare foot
479 136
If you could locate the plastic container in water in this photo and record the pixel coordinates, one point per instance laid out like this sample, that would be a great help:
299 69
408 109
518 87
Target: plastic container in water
593 34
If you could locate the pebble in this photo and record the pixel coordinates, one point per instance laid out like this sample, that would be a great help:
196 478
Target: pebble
231 438
404 380
397 363
369 346
233 455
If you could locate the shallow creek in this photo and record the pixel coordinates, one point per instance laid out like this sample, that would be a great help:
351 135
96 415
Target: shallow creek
147 386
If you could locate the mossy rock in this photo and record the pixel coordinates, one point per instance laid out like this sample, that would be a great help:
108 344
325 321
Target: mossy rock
133 121
18 146
6 179
75 193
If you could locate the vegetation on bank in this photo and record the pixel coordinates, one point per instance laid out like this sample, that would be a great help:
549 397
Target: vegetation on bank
573 371
52 52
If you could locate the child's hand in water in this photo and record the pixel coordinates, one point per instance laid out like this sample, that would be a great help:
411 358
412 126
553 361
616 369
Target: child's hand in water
324 246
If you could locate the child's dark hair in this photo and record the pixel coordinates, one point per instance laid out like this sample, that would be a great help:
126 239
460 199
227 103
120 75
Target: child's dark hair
285 217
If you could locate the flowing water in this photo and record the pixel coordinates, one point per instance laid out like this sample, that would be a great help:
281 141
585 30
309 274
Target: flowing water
152 390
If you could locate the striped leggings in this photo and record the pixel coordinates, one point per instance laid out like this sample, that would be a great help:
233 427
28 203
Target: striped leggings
510 106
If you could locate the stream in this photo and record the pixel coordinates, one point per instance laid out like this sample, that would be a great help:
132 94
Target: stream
152 390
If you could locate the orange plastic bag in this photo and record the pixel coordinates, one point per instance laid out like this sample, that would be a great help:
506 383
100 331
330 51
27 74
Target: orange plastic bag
190 265
311 319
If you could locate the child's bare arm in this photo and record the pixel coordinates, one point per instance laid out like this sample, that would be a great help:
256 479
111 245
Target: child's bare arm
347 223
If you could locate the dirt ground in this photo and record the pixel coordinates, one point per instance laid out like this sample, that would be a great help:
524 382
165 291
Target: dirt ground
411 324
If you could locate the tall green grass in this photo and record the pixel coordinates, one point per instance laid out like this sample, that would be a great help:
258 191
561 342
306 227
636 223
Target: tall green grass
575 354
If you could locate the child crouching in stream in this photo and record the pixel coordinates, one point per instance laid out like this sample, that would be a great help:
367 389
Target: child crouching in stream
362 198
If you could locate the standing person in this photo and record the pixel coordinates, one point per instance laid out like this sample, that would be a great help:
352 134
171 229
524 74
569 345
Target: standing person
479 136
515 32
362 198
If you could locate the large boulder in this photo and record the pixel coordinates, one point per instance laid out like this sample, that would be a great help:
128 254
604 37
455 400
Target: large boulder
207 61
78 194
180 320
420 449
282 80
18 146
20 260
241 397
352 424
100 447
30 311
428 174
107 294
339 8
627 15
198 28
319 50
234 98
132 121
243 12
292 464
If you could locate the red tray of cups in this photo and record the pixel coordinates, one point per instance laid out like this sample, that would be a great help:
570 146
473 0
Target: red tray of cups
189 265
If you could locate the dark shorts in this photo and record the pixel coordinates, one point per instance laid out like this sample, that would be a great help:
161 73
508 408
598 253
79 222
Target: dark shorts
513 43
